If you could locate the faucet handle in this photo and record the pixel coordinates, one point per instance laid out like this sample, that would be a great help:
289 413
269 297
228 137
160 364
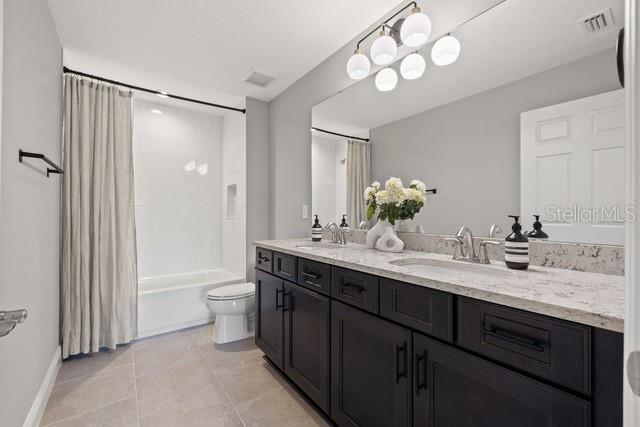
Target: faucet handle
458 248
484 255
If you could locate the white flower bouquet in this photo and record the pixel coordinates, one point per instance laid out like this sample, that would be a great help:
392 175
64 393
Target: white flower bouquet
395 202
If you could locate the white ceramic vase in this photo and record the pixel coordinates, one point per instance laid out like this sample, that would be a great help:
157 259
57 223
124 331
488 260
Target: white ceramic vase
383 237
375 232
389 241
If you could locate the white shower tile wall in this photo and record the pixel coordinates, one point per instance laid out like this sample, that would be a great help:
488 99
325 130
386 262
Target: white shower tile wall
234 173
178 188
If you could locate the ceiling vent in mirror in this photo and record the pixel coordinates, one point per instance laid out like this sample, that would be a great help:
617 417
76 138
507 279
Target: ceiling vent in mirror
258 77
597 22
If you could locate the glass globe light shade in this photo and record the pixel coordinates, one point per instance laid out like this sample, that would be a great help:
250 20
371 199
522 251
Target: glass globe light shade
386 79
358 66
416 29
412 66
384 49
445 51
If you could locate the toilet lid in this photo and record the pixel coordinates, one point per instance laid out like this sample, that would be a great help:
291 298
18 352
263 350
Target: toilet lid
239 290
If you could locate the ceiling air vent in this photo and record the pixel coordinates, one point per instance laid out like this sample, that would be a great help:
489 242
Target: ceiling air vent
598 22
258 77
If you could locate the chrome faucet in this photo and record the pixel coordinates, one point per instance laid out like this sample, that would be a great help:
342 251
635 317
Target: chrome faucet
464 249
494 230
338 235
363 225
466 236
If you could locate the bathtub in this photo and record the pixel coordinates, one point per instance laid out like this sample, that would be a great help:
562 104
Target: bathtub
176 301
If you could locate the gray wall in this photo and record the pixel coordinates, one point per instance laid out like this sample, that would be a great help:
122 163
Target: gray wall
470 149
290 139
29 205
258 191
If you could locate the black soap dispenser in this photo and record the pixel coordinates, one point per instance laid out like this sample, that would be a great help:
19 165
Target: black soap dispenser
316 230
344 224
537 232
516 247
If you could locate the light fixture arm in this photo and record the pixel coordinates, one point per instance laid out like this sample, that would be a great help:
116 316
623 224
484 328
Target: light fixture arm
385 23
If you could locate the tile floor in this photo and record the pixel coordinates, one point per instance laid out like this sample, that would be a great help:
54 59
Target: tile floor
177 379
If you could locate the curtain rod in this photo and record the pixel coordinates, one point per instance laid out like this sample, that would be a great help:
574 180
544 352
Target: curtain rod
156 92
340 134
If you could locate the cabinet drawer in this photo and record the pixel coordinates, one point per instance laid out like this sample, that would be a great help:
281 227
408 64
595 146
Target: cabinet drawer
549 348
425 310
314 275
284 266
355 288
455 388
264 260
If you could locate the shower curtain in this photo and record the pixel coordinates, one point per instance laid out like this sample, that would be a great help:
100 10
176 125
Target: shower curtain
358 178
99 273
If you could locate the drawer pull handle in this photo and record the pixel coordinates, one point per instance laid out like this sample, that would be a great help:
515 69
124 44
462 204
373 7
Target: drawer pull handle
399 374
421 380
311 275
262 258
514 338
290 306
358 288
309 282
278 305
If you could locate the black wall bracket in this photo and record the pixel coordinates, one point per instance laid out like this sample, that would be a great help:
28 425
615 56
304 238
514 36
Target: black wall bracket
52 168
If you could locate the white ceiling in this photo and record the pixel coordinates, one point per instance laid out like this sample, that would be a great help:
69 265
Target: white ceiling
214 43
516 39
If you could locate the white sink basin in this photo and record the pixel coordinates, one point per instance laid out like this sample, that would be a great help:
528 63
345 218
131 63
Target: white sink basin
319 245
449 267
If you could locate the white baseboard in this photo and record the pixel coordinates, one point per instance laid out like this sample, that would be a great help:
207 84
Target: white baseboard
40 402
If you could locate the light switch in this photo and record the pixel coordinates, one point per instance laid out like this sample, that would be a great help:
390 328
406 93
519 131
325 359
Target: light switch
305 212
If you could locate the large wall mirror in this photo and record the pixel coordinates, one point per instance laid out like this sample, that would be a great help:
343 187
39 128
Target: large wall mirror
528 120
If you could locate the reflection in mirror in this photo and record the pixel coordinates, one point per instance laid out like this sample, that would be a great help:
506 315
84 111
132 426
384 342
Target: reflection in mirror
528 120
340 172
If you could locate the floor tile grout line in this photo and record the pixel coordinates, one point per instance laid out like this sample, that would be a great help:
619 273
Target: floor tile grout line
135 387
215 377
280 387
156 371
86 412
91 374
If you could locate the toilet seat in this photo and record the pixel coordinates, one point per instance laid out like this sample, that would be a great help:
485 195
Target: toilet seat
231 292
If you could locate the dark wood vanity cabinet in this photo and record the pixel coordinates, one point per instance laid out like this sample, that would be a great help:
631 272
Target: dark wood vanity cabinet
307 323
370 370
371 351
269 329
292 329
455 388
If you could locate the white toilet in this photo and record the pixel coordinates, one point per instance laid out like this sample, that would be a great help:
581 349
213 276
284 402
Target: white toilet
232 306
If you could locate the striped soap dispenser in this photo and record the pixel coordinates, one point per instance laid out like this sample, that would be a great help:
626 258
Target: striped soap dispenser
516 247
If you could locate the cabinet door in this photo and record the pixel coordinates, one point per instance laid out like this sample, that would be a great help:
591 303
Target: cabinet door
370 370
307 324
454 388
269 319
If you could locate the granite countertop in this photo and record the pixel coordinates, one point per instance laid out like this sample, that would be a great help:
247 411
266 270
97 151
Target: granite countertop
588 298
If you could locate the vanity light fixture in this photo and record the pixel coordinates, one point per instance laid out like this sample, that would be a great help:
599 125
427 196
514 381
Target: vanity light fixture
386 79
445 51
416 29
412 66
384 49
358 66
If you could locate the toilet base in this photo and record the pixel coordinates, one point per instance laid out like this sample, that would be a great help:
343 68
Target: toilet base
232 327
